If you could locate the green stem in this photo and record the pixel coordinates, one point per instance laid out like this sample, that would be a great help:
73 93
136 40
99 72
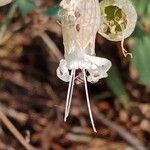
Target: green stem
7 21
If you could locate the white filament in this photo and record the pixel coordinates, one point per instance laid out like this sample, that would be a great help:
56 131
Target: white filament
71 93
68 95
88 101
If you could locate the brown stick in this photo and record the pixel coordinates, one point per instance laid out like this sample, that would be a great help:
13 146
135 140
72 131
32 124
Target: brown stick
131 139
51 45
19 116
15 132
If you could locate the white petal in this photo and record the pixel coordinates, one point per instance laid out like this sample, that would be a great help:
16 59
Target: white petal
62 71
102 66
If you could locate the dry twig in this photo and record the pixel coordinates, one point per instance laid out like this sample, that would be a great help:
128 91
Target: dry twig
120 130
19 116
15 132
51 45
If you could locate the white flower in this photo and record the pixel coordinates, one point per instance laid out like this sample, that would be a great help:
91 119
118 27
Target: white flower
5 2
80 22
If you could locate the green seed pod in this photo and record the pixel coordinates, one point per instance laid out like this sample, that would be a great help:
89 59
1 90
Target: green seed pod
118 19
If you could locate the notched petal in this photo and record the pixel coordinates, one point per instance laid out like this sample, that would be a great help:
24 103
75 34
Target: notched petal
62 71
102 66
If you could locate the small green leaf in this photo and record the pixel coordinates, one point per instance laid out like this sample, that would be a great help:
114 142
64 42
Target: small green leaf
115 83
103 95
52 11
140 6
26 6
141 53
143 8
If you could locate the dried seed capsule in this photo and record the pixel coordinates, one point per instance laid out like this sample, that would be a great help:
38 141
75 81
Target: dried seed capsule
118 19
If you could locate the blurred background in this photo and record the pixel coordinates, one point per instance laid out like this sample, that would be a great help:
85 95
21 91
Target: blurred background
33 98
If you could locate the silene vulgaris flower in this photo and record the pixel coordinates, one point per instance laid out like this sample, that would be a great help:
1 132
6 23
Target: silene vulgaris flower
80 23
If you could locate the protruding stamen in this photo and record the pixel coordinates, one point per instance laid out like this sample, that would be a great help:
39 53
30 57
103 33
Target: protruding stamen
71 93
68 95
88 102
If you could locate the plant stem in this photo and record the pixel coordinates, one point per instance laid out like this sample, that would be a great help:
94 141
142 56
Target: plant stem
15 132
